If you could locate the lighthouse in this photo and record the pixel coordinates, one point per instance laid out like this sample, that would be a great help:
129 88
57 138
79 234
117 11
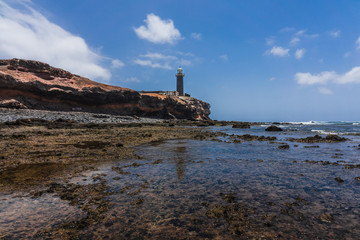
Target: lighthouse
180 81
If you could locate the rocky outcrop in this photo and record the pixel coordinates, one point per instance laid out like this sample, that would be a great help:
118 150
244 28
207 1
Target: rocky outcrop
241 125
318 139
181 107
273 128
37 85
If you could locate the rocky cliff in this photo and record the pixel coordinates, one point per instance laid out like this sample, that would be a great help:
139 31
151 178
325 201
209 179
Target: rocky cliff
37 85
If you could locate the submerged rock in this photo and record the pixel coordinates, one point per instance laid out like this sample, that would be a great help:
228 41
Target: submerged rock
285 146
241 125
339 180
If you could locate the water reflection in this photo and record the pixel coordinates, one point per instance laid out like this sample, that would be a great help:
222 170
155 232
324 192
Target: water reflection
179 157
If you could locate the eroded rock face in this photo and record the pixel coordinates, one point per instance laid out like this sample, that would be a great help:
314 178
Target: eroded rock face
179 107
37 85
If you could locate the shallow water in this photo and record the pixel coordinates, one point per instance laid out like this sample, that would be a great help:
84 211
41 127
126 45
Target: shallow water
188 189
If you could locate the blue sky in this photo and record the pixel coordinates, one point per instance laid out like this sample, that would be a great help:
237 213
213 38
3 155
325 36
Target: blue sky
263 60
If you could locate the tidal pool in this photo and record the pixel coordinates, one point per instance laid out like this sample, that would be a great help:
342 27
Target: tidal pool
187 189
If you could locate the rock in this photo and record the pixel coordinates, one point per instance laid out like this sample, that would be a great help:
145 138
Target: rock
326 218
37 85
319 139
170 107
339 180
241 125
12 103
357 179
335 138
273 128
285 146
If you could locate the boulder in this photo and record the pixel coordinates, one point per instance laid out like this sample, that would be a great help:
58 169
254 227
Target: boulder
273 128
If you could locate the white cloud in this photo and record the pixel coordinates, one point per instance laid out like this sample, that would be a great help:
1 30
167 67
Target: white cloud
149 63
224 57
158 30
300 33
335 33
352 76
272 79
158 56
325 91
358 43
347 54
311 79
294 41
278 51
300 53
116 63
196 36
158 60
28 34
270 41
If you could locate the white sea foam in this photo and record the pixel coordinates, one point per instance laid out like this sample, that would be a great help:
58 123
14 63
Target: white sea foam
323 132
310 123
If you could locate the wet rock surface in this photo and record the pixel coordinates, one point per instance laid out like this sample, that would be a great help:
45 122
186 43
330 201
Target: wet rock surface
319 139
248 137
187 182
274 128
241 125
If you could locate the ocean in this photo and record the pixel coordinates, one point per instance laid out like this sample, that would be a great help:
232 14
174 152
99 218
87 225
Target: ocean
227 189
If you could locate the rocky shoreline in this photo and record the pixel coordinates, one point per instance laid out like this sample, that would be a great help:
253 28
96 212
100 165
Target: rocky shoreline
9 115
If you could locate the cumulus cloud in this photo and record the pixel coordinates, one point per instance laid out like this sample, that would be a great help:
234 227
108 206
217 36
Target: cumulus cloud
300 53
27 34
325 91
335 33
311 79
278 51
196 36
352 76
158 30
158 60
